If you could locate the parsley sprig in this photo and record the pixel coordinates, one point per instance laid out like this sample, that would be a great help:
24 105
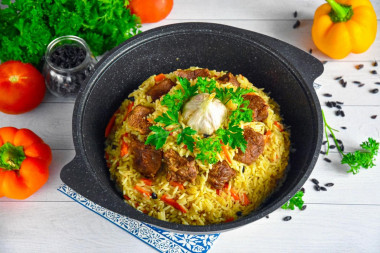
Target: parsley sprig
360 158
207 148
28 26
295 201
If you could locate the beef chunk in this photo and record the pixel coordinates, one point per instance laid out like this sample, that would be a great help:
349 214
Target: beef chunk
220 174
146 159
258 106
192 74
229 78
137 119
160 88
180 169
255 147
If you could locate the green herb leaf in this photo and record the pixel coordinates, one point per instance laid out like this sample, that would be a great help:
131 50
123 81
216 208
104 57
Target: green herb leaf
168 118
187 87
206 86
158 136
362 159
208 149
186 138
295 201
233 136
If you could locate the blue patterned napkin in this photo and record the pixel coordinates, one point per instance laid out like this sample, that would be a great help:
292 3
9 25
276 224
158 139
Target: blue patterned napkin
159 239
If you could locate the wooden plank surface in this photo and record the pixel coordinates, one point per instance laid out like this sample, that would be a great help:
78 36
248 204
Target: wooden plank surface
345 218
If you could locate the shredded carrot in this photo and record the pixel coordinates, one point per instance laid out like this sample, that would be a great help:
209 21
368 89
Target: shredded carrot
268 133
279 126
110 124
147 181
176 184
251 93
234 194
124 149
245 200
224 147
142 191
185 146
126 197
159 77
173 203
150 120
229 219
129 109
225 187
218 192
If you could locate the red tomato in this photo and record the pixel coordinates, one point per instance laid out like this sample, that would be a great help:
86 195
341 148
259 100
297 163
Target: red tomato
22 87
151 11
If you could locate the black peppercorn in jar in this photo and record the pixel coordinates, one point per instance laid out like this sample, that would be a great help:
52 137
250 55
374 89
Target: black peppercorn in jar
68 61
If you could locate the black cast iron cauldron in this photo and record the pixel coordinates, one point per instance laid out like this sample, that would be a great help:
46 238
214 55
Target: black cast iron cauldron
283 70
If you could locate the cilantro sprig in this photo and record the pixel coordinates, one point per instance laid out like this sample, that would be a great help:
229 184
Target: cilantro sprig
209 148
356 160
295 201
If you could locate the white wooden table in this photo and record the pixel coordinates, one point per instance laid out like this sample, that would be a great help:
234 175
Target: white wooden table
346 218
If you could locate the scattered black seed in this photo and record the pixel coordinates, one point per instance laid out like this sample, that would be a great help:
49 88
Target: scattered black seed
374 91
332 146
327 160
303 207
329 104
373 72
341 81
343 127
267 216
297 24
333 103
360 66
340 103
342 113
322 152
310 51
243 169
114 146
341 147
338 78
337 113
287 218
323 189
338 107
324 142
374 63
239 213
295 14
356 82
339 141
154 195
317 188
373 116
327 95
132 99
329 184
331 135
324 62
206 135
377 83
344 84
361 85
302 190
315 181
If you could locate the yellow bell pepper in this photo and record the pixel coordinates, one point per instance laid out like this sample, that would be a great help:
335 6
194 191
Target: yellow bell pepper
342 27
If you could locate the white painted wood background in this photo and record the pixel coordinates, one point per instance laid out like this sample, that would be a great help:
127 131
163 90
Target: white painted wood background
346 218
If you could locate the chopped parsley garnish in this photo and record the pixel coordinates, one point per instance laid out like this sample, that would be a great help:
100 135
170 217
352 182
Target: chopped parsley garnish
296 200
185 137
158 138
208 148
360 158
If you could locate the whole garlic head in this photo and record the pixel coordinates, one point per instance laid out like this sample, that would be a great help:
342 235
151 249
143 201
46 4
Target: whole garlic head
204 113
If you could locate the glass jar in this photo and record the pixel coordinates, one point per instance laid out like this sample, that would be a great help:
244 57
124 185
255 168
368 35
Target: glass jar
68 61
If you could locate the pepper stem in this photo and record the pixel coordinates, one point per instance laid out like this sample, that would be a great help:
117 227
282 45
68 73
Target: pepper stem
340 12
11 156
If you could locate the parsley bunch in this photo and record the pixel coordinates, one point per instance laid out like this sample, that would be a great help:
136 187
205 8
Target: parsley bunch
296 200
360 158
28 26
